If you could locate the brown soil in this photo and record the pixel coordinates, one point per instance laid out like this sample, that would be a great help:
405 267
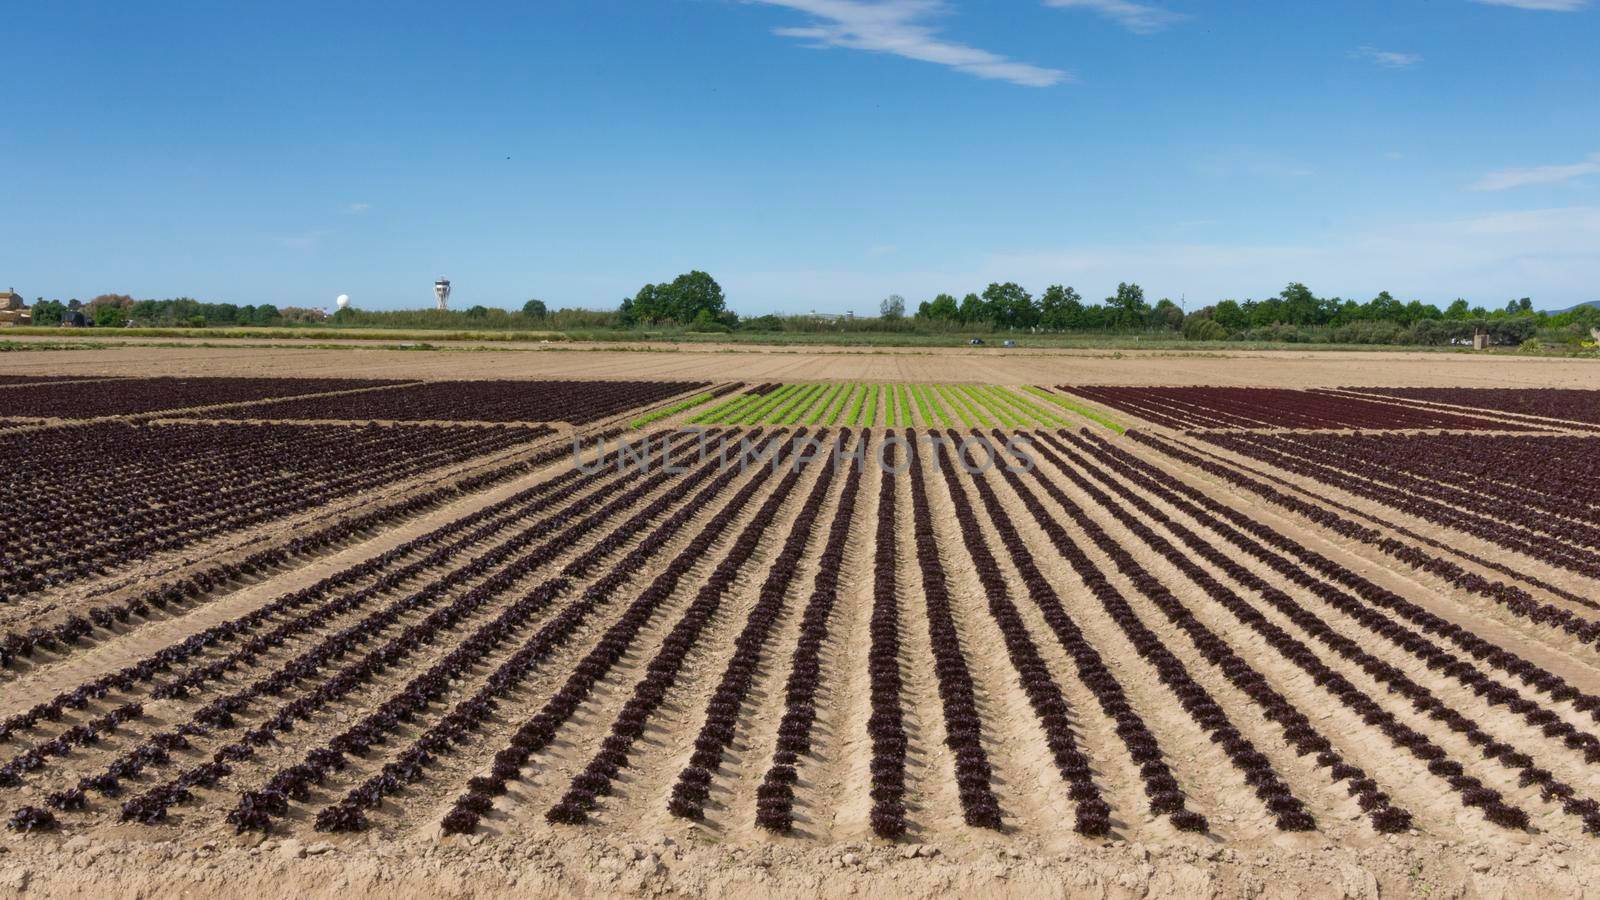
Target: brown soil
1276 368
633 846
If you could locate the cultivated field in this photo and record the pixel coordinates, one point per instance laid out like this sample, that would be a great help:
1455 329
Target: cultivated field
798 624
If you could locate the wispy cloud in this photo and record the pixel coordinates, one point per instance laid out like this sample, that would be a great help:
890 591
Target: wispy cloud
1137 17
1547 254
1539 5
901 28
356 209
1389 59
1506 179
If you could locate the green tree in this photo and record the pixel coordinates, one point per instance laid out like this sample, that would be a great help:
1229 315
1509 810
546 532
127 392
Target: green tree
1166 315
1127 308
1300 306
679 302
942 308
47 313
1231 315
972 310
695 291
1458 310
1417 311
1009 306
108 316
892 308
535 309
1060 308
1384 308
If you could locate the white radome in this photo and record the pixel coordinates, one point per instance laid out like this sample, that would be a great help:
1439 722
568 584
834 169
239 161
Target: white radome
343 301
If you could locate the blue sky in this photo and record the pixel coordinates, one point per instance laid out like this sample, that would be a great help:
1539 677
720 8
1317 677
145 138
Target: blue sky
811 154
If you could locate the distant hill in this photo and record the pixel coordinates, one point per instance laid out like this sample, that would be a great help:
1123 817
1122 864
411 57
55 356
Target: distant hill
1594 303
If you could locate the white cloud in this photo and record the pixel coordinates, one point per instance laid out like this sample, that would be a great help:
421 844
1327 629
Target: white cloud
1389 59
357 209
1136 17
1539 5
899 27
1506 179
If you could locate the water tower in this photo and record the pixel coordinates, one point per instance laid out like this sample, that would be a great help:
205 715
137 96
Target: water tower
441 291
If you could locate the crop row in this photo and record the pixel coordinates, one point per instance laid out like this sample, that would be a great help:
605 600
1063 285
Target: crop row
1412 553
1049 704
220 715
963 726
300 612
1570 404
408 767
775 796
1296 728
1548 517
568 526
538 732
898 405
577 402
133 396
410 702
1371 612
8 380
1510 597
143 489
71 635
661 673
886 719
718 729
1471 791
681 406
1192 697
1267 408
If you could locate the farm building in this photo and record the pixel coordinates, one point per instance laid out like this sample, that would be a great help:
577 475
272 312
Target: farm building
12 309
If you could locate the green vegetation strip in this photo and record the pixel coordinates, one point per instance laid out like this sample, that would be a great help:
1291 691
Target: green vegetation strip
975 406
987 404
822 413
852 414
760 412
726 408
869 413
672 410
1027 408
894 405
948 399
903 413
1071 406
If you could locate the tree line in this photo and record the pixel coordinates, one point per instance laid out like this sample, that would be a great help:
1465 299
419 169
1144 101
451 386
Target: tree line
695 302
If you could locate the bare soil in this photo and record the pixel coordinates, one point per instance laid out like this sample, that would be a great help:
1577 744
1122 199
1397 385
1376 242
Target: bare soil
633 846
1267 368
